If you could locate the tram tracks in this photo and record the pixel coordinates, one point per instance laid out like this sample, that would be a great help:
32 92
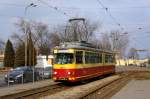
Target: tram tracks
104 92
107 91
37 92
53 90
48 91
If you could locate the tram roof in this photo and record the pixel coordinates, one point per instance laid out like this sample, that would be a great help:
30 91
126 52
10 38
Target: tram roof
80 45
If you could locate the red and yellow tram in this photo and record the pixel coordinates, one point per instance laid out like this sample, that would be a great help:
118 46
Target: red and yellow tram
80 61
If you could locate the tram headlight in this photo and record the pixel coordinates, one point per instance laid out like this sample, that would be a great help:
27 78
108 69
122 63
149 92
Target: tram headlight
69 73
55 72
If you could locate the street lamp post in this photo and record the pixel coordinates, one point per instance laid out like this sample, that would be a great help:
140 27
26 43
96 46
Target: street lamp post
26 38
26 33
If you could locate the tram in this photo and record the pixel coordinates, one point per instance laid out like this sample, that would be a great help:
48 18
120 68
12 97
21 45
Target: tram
78 61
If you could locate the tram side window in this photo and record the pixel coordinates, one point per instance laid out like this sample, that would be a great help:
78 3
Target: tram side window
109 59
79 57
92 55
106 58
89 58
93 58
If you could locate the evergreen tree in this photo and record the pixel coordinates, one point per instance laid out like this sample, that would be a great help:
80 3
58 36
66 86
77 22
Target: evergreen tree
20 55
9 55
31 57
31 54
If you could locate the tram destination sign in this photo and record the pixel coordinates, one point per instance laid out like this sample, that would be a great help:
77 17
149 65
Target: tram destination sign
64 51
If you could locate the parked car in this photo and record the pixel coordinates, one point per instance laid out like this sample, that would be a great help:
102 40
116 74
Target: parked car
20 74
45 72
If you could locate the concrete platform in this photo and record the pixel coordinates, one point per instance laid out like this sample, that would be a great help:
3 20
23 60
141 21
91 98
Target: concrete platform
135 89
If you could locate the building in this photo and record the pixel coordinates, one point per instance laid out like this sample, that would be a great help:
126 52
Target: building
42 61
130 62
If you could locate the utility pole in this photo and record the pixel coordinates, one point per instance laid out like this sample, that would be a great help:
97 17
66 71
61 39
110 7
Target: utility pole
115 37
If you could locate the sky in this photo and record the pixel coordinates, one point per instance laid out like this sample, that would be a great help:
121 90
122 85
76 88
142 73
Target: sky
132 15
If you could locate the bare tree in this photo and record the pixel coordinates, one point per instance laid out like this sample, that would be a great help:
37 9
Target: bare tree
45 40
55 39
120 42
39 34
40 31
41 37
23 29
104 42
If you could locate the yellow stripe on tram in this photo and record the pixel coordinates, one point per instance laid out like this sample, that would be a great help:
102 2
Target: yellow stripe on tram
76 66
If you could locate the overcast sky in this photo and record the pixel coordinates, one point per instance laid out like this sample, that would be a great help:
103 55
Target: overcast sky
130 14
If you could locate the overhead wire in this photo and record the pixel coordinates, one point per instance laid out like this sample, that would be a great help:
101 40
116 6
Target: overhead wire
114 19
109 13
55 8
100 3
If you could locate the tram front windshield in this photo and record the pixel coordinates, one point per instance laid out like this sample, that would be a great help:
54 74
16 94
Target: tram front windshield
64 58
